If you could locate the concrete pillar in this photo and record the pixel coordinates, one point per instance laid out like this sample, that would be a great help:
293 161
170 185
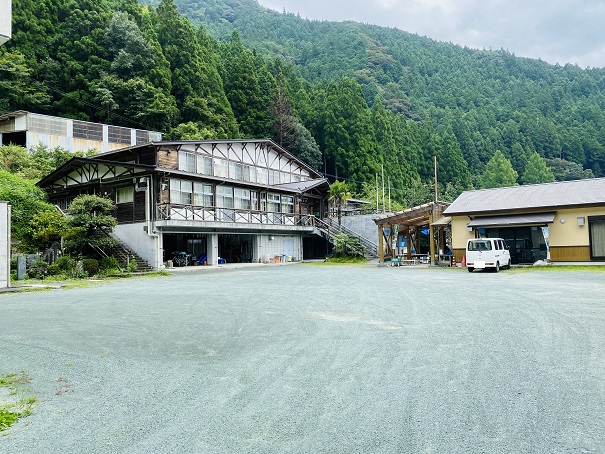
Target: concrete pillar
213 249
5 242
381 244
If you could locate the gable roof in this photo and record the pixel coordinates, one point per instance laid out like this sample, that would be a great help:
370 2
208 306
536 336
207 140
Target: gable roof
535 196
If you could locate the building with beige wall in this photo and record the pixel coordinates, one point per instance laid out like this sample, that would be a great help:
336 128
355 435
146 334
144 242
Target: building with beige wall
31 129
560 222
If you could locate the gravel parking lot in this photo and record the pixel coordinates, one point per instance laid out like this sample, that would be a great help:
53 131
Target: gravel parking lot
312 359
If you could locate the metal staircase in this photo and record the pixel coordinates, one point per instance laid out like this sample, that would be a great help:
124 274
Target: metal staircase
329 230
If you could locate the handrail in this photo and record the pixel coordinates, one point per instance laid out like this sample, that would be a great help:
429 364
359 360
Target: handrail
168 211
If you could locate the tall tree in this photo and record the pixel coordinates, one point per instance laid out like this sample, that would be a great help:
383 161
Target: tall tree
498 172
536 171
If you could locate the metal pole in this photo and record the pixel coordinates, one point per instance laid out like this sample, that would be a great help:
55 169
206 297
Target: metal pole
377 207
389 193
383 198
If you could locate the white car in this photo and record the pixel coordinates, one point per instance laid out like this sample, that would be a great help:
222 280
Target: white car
484 253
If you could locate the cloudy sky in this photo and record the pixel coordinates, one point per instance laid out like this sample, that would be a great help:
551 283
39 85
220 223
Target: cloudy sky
557 31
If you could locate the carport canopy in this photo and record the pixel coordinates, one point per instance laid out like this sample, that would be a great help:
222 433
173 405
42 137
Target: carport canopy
512 220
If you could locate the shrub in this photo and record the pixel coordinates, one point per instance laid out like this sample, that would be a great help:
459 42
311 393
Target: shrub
37 270
90 266
65 263
132 266
54 269
109 263
13 264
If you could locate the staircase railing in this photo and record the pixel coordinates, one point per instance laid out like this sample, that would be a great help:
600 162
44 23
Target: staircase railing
371 248
364 246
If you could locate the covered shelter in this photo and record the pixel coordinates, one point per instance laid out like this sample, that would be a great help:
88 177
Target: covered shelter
406 225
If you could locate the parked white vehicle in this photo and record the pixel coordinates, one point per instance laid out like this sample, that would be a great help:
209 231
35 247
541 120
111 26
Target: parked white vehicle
483 253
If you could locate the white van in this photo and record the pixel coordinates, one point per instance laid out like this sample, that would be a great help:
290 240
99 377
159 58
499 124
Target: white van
483 253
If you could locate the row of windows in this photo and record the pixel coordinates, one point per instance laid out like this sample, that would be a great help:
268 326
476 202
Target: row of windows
185 192
206 165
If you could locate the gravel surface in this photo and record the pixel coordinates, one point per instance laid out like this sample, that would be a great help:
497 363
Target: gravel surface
312 359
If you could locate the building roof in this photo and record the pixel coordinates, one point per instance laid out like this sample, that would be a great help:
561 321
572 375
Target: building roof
535 196
302 186
416 216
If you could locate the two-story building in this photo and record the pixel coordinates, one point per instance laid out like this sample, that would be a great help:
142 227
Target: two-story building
231 200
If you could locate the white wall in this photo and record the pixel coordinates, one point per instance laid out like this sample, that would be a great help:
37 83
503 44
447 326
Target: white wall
4 244
137 239
268 248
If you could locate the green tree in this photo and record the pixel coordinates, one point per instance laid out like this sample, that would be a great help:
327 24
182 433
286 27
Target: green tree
27 202
498 172
338 194
536 171
91 220
18 89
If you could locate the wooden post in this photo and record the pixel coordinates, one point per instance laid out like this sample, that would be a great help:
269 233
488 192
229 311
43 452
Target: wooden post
408 244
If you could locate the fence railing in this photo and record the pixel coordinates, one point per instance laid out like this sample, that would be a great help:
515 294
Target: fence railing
174 212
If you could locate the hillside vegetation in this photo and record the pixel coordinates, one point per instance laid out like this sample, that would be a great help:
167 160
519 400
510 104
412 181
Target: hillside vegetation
348 98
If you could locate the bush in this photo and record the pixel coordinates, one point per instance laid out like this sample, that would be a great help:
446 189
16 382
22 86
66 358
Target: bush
109 263
37 270
54 269
90 266
132 266
65 263
13 264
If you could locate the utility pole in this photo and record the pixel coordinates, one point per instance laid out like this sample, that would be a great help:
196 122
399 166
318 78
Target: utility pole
384 208
436 184
389 193
377 207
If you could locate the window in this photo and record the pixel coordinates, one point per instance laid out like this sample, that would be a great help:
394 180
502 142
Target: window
186 161
249 174
90 131
254 200
273 177
117 134
284 177
261 175
204 165
236 170
124 195
180 191
287 204
273 205
221 168
203 195
242 198
596 226
224 197
479 245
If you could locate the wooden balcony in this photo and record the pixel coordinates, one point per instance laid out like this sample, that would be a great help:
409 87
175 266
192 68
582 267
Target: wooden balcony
190 214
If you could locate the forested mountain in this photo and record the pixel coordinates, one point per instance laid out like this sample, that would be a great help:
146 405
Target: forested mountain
347 97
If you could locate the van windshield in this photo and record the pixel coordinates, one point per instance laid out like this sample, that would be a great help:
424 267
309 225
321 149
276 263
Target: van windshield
479 246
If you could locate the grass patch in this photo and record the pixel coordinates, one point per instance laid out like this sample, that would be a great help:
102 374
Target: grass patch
560 268
339 261
15 401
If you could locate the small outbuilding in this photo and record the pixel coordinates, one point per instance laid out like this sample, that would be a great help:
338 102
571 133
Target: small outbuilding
559 222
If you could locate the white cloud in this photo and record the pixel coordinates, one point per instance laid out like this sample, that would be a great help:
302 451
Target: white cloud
558 31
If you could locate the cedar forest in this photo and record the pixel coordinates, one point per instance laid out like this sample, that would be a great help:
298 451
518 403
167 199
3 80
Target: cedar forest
347 98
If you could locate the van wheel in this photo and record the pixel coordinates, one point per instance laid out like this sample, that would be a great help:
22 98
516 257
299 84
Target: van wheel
508 266
497 268
470 269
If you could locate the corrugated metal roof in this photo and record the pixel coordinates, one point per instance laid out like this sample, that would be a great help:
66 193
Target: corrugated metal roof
537 196
512 219
301 186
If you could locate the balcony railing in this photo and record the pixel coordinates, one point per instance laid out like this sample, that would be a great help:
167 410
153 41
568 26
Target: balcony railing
174 212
